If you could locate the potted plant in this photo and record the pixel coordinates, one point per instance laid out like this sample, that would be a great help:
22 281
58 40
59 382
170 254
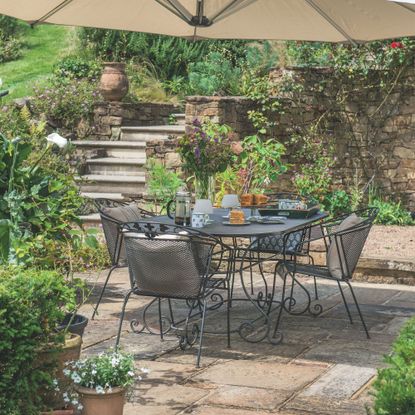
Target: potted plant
102 382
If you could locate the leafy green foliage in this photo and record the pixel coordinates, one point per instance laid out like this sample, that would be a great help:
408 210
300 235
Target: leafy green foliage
39 201
214 75
77 67
170 56
391 213
162 184
337 202
67 102
32 305
394 386
10 43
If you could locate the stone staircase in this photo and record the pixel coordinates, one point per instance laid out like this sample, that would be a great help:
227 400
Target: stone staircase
115 168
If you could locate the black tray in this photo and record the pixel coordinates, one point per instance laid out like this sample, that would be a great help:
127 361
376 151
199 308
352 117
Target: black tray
289 213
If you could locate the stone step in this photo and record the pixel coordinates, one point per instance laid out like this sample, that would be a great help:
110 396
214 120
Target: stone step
90 220
96 183
112 196
118 149
155 132
116 166
180 118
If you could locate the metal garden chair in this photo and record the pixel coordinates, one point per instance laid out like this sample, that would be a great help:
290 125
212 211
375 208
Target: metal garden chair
173 262
344 238
113 215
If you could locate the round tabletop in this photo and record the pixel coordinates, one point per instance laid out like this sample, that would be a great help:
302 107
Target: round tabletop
218 228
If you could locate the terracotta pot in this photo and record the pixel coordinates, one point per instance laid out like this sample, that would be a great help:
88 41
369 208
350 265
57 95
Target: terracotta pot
110 403
70 351
114 82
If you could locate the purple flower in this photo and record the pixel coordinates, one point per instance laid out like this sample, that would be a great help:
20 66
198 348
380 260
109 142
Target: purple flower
196 123
197 152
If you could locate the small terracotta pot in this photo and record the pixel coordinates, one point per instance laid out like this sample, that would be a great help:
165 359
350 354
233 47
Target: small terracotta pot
110 403
114 81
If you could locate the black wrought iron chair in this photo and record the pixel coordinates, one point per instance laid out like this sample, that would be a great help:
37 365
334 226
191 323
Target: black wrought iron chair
173 262
344 238
113 215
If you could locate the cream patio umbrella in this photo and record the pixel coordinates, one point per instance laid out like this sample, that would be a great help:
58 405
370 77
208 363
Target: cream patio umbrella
318 20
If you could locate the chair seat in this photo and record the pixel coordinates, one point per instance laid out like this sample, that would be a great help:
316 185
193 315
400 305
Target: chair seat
307 269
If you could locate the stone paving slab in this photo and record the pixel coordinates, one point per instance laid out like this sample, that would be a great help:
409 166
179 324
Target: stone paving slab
271 375
340 382
301 376
247 398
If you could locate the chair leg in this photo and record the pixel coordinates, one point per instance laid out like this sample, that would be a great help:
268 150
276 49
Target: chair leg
102 291
358 310
291 295
126 298
202 328
345 302
228 317
277 324
160 320
315 289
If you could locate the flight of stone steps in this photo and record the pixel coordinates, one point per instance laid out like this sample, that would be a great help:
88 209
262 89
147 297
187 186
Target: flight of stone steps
115 168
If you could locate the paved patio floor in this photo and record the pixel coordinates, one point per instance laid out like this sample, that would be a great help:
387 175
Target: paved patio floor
325 365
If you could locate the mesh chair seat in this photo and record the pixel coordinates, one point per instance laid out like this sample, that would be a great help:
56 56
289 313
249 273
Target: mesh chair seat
308 269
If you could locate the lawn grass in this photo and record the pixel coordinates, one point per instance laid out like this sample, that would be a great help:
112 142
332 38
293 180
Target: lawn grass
44 45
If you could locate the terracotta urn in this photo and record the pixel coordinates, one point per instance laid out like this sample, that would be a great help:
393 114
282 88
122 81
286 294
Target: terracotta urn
114 81
109 403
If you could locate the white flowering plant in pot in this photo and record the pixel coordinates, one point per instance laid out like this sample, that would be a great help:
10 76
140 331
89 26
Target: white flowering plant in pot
102 381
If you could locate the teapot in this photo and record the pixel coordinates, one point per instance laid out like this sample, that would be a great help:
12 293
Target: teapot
182 210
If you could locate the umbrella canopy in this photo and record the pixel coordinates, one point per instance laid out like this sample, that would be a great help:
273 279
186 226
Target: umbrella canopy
318 20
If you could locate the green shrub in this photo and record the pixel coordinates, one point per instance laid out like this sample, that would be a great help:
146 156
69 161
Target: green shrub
32 303
10 49
170 56
337 202
162 184
215 76
78 68
391 213
67 103
395 385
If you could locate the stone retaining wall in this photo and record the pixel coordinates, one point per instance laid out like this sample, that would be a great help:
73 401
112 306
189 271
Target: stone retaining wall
110 116
372 136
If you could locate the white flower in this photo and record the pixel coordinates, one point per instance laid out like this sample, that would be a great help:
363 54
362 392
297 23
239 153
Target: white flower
80 407
93 372
140 378
55 138
145 370
100 389
130 373
66 372
76 378
115 362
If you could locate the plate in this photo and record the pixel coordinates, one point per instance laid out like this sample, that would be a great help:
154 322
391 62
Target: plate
227 223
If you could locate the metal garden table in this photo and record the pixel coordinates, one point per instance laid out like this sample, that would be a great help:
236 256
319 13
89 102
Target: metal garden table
259 327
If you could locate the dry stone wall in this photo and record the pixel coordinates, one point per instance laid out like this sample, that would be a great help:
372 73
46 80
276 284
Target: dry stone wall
373 134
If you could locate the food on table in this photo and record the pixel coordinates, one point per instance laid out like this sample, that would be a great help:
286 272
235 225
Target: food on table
236 217
247 199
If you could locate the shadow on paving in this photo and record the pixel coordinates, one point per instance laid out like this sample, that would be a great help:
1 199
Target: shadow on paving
302 375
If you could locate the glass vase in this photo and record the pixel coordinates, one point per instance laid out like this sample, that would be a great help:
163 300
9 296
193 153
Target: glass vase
205 188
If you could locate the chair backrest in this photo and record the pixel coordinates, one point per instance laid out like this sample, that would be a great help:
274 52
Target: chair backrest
113 215
166 260
347 242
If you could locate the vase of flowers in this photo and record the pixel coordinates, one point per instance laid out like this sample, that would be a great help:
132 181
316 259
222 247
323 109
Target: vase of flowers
207 149
102 381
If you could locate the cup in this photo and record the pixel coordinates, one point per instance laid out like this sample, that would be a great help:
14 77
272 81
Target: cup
260 199
247 199
198 220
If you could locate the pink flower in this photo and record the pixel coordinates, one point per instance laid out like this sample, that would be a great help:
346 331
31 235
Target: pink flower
236 148
396 45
